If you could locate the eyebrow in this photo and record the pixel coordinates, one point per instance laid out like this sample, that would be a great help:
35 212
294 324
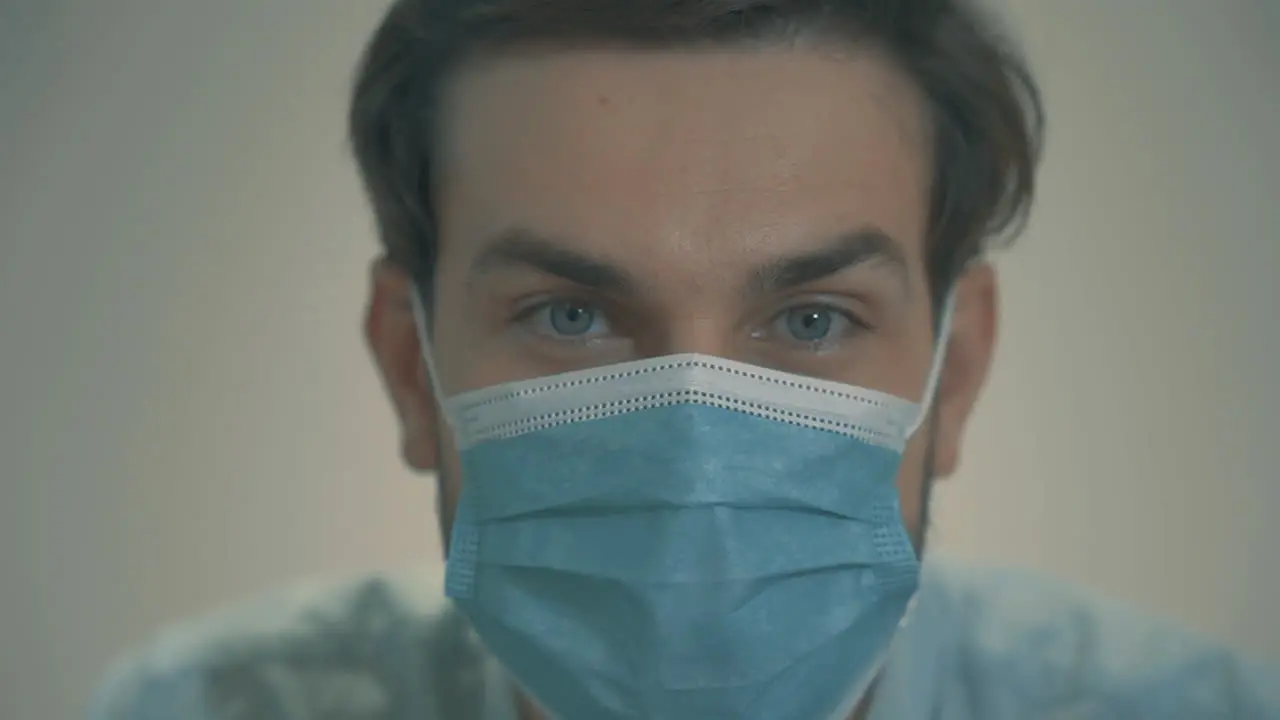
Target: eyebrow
523 248
863 246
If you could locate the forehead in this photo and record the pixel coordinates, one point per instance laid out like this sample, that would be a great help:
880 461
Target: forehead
684 158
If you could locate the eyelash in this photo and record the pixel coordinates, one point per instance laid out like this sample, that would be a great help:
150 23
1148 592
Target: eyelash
856 325
528 312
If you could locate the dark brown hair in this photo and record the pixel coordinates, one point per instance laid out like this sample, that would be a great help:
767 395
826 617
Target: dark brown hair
986 109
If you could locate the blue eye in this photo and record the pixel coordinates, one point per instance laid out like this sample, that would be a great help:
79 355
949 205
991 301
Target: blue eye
570 318
567 320
810 324
813 327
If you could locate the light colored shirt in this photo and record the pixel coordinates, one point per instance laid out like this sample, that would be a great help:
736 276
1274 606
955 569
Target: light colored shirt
981 645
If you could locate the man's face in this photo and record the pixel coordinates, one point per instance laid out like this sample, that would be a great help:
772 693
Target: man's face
768 206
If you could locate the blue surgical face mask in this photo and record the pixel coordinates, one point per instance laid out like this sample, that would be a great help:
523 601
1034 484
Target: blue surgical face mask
684 537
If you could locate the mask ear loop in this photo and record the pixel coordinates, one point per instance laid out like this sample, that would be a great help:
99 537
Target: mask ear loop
938 362
424 345
926 403
460 545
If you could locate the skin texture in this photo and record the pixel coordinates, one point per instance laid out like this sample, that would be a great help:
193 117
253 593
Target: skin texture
678 188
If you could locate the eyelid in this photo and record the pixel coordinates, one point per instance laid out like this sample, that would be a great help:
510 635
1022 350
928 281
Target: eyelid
529 310
529 305
771 332
854 317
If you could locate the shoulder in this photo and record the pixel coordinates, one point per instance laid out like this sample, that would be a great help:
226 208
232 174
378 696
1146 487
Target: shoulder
363 649
1028 642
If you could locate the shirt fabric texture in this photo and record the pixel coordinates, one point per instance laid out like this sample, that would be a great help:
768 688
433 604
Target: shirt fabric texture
982 644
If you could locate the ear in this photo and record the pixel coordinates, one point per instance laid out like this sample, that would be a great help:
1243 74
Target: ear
970 348
392 336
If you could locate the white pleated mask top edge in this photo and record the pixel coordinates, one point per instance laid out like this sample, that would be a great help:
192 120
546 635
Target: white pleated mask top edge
517 408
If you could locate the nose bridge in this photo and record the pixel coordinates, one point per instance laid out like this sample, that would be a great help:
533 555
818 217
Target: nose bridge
704 332
694 308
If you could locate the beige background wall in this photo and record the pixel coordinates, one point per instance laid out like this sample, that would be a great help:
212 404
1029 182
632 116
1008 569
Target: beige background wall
186 414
